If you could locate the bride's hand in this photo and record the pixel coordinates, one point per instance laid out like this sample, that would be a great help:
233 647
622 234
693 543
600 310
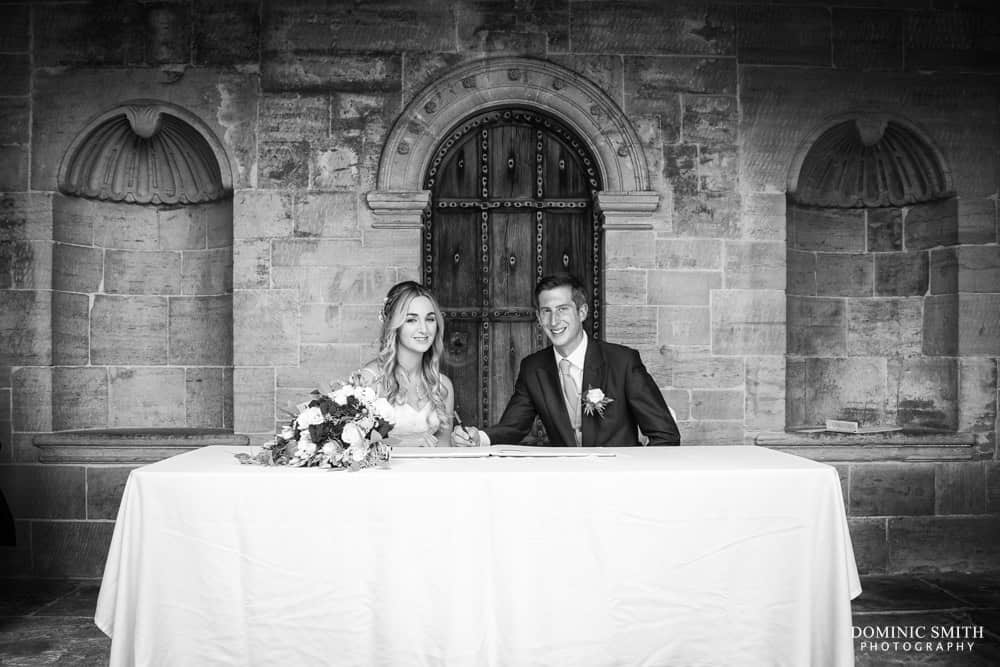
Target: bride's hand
430 440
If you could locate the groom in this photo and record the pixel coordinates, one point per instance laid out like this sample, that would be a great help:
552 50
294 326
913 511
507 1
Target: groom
556 384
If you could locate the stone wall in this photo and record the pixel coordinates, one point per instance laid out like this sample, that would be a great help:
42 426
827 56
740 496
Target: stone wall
722 97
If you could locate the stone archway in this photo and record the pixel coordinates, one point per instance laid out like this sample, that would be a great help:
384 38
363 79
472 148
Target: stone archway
512 81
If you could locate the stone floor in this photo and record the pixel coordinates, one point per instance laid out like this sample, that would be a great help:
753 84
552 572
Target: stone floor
51 622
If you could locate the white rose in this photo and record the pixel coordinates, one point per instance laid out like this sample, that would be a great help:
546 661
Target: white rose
359 453
310 417
383 409
287 433
340 396
595 395
329 449
306 448
365 394
352 435
366 423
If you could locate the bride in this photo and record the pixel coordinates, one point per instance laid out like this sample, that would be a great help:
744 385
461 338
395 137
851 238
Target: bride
407 369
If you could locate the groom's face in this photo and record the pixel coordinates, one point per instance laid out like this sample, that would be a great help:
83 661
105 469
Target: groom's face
560 318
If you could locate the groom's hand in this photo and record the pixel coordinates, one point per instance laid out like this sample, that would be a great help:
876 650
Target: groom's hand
465 437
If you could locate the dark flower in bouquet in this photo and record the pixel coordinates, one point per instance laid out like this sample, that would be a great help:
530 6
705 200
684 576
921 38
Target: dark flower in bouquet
345 428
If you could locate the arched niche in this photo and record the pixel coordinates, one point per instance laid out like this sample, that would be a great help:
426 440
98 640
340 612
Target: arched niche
508 82
142 288
871 298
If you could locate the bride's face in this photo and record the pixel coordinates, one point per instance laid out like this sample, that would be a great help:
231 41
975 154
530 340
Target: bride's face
419 326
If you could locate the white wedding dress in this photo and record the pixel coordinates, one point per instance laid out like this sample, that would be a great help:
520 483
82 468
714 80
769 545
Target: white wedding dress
414 428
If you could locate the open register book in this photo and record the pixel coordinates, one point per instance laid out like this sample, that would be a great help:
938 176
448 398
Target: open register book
526 451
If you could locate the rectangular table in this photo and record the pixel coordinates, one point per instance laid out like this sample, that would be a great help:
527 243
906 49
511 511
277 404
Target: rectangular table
653 556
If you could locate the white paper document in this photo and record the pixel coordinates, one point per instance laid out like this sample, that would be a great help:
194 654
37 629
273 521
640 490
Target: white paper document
522 451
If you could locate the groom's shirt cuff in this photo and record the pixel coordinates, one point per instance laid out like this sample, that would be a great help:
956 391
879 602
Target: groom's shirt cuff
484 440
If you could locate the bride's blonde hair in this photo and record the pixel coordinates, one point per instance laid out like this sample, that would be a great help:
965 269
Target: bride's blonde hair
392 381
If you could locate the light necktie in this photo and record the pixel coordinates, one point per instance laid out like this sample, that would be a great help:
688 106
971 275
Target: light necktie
571 394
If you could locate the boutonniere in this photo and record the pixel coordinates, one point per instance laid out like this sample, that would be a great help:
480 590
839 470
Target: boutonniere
594 400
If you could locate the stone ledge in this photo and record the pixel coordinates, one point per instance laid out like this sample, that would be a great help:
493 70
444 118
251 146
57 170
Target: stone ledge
128 445
895 446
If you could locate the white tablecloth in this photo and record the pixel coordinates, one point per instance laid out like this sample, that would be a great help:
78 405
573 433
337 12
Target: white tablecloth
655 556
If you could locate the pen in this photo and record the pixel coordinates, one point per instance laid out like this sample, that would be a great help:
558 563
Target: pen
458 420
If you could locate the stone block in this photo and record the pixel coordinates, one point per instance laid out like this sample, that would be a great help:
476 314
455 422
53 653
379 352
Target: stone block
707 214
711 432
926 392
960 488
394 26
70 549
977 220
630 325
126 227
14 114
79 397
323 72
701 370
77 268
979 324
141 272
941 325
263 214
718 167
218 218
884 327
25 328
717 404
128 330
335 167
783 35
147 397
977 395
943 271
363 285
201 330
181 228
662 77
709 119
892 489
265 328
15 34
625 287
44 492
763 216
748 322
322 366
26 216
979 268
755 265
867 39
885 229
681 288
902 274
680 168
205 272
853 389
326 252
765 393
321 323
680 325
253 399
13 168
635 26
702 254
105 487
207 394
944 544
25 264
332 215
844 275
392 247
952 41
992 487
546 22
931 224
658 360
795 393
74 219
32 402
627 249
284 164
252 264
679 401
826 230
227 33
871 547
800 273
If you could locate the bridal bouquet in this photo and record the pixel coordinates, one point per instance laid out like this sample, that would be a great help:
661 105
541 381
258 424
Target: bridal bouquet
345 428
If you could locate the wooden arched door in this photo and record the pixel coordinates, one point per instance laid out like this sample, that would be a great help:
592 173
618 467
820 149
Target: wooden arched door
512 199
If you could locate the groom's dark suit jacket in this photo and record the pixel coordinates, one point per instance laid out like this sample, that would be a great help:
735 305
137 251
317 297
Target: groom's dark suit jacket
614 369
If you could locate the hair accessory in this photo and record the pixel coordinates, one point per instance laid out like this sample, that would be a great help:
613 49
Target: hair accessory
381 310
